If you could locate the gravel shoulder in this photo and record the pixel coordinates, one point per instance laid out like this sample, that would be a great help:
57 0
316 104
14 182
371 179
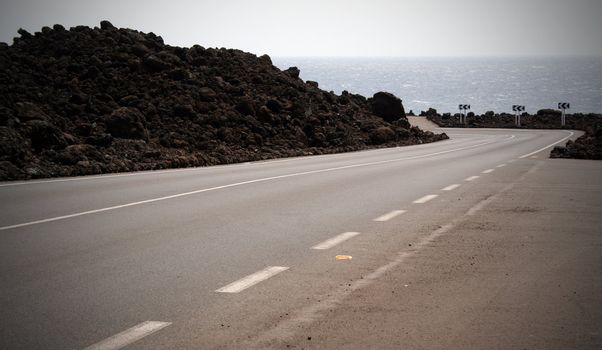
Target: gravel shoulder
523 272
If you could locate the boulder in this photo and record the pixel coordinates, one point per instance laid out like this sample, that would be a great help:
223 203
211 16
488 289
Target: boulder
386 106
29 111
8 171
207 94
274 106
73 154
293 72
430 113
127 123
12 145
155 64
245 107
45 136
382 135
106 25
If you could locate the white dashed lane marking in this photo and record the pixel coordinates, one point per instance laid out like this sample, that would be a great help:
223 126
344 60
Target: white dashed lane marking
329 243
129 336
450 187
426 198
252 279
390 215
501 165
243 183
471 178
487 171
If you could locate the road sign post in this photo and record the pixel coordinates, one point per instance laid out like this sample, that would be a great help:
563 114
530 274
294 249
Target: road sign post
517 109
563 106
462 116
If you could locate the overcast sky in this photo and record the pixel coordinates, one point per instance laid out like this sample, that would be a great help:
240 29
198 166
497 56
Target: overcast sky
337 27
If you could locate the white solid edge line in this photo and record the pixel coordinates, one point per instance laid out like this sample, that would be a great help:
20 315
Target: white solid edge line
252 279
197 168
500 166
450 187
329 243
129 336
487 171
425 199
94 211
389 216
548 146
470 178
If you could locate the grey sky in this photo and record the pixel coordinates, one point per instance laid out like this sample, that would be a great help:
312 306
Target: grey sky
338 27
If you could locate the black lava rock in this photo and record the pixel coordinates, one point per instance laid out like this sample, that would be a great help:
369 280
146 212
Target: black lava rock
98 100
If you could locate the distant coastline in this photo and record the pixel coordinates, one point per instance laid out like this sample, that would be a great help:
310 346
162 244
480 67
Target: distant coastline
487 83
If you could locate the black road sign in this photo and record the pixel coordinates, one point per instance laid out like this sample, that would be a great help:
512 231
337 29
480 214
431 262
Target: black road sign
564 105
463 107
518 108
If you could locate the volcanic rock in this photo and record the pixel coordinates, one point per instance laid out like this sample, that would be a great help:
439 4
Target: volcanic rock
293 72
387 106
106 99
544 119
127 123
44 135
588 146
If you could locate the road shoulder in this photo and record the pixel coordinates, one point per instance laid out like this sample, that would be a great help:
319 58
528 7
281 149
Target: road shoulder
524 272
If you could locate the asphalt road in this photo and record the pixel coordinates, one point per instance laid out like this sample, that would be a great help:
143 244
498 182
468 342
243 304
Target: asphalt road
225 257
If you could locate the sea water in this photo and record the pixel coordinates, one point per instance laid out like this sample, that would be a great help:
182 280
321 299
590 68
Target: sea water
487 84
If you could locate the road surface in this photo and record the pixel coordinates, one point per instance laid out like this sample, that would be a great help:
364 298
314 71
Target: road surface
245 256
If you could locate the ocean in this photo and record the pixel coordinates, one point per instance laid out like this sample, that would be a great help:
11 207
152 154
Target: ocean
487 84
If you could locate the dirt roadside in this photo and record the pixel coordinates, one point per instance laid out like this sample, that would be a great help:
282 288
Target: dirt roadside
524 272
423 123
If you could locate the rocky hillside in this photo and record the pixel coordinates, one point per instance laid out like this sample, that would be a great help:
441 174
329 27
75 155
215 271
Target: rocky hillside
98 100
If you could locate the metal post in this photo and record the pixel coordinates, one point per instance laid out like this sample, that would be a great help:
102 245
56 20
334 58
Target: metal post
562 118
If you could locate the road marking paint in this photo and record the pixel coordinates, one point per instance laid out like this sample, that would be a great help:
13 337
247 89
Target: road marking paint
534 157
129 336
302 317
501 166
548 146
487 171
426 198
472 178
329 243
252 279
201 168
343 257
389 216
450 187
265 179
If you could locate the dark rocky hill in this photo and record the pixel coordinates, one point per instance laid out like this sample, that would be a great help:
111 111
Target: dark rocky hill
98 100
